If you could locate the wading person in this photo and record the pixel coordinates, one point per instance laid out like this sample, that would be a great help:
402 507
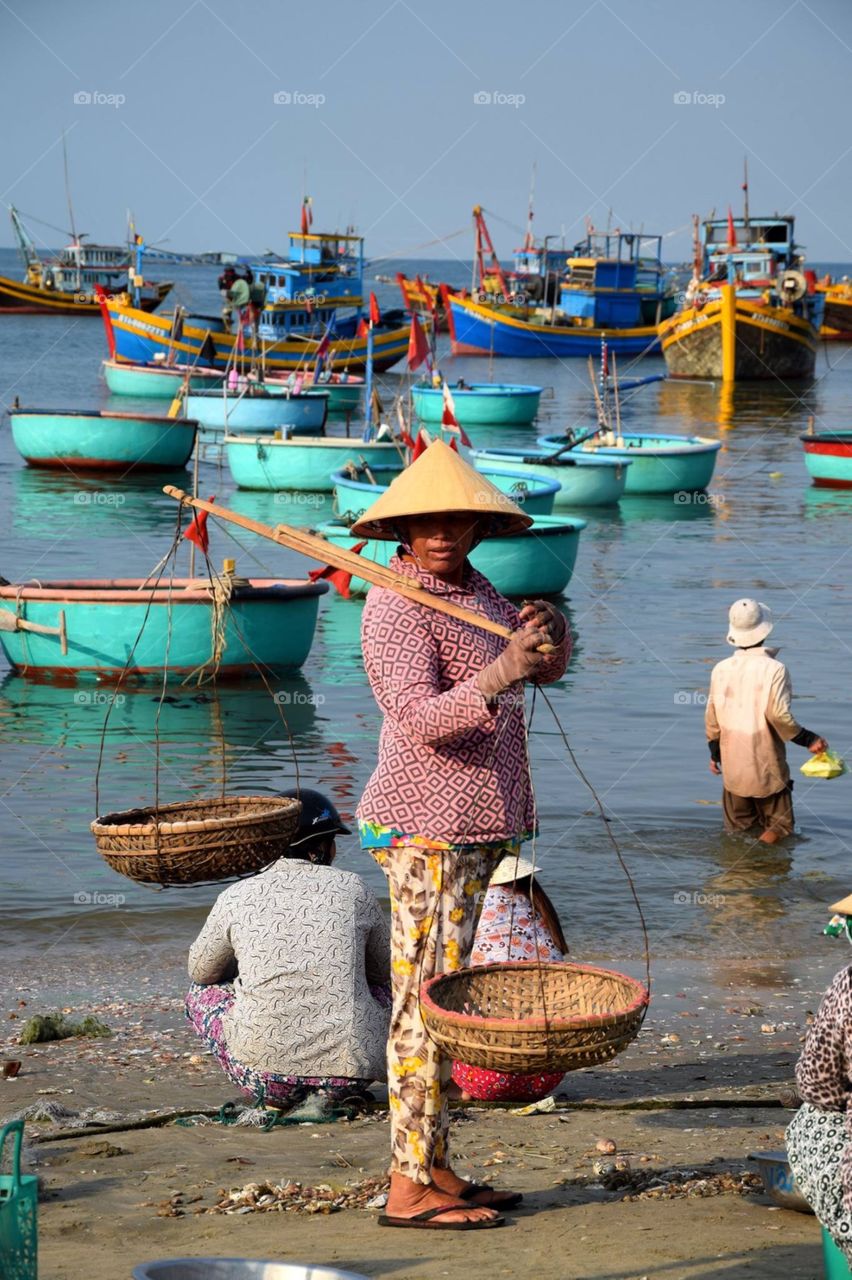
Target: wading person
748 720
289 974
451 792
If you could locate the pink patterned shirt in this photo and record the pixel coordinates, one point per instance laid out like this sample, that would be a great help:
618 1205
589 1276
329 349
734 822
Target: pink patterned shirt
449 768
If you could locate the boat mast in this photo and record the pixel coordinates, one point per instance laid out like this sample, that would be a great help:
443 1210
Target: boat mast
529 239
745 194
25 244
74 237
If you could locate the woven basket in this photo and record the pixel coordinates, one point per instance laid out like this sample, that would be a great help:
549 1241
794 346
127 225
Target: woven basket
198 840
524 1017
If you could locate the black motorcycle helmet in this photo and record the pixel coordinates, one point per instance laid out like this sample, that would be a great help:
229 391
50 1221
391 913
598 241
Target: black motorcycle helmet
319 820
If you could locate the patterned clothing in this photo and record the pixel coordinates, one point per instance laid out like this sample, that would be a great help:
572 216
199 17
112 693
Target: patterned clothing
816 1141
435 901
206 1007
450 767
748 711
509 929
305 942
824 1080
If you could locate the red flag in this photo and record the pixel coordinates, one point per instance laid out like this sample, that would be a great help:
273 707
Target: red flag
375 313
406 439
307 215
418 348
339 578
422 444
197 531
732 231
449 421
363 328
453 445
322 349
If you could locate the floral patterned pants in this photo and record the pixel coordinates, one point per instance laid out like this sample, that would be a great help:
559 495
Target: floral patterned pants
436 897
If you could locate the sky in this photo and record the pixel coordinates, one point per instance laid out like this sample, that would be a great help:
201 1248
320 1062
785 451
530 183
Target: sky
210 120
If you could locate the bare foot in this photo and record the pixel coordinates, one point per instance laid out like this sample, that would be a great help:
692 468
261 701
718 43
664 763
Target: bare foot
407 1198
769 837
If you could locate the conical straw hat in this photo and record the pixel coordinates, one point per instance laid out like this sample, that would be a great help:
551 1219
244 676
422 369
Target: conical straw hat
441 481
843 907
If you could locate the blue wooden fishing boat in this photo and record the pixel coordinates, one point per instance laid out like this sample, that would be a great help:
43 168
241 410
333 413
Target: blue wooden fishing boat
77 626
156 379
828 458
101 440
255 409
354 491
584 481
311 301
615 289
302 464
659 463
539 561
498 404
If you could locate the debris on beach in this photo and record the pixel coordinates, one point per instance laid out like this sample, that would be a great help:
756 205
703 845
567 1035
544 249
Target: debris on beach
679 1184
42 1027
296 1197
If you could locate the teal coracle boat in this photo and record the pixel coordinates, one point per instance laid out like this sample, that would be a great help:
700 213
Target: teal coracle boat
584 481
92 440
157 380
658 463
301 464
254 410
498 404
354 492
537 562
828 458
344 390
103 627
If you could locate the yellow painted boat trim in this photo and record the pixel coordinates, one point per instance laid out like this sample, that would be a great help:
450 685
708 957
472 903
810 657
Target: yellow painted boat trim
505 317
686 322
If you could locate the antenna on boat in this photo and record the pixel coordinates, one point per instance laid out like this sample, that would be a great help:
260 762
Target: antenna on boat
529 239
74 237
745 191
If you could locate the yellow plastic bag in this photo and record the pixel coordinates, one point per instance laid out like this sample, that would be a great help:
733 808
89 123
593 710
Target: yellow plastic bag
827 764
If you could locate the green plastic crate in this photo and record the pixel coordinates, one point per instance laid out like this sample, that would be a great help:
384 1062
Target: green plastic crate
835 1265
18 1211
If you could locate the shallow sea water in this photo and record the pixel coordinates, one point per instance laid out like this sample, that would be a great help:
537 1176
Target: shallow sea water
647 606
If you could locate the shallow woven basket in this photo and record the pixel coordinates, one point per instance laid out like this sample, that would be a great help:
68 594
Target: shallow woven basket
198 840
525 1017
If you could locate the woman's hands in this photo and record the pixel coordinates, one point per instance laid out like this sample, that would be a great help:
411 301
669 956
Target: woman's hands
538 613
518 661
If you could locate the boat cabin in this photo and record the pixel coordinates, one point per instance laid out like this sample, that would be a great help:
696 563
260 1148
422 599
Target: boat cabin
324 272
612 278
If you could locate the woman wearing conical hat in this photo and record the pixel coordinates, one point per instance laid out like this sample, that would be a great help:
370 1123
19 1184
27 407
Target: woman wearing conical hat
450 795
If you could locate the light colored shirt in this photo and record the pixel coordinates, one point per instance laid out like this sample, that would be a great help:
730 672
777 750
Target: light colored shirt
307 942
510 928
449 769
748 710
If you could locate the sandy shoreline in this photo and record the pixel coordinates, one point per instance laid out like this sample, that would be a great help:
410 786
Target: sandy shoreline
703 1086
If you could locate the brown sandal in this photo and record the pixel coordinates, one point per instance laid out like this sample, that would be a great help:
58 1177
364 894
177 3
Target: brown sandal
426 1220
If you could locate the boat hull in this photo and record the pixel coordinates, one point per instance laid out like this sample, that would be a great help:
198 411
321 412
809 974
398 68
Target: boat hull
828 459
243 413
477 329
534 494
298 465
17 298
156 382
102 441
343 397
121 624
139 337
537 562
584 482
771 342
658 463
484 404
837 317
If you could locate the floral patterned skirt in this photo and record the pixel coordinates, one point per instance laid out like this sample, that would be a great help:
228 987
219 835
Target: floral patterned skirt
207 1006
816 1141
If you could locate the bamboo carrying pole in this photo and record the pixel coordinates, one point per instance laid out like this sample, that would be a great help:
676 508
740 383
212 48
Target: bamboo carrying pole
316 548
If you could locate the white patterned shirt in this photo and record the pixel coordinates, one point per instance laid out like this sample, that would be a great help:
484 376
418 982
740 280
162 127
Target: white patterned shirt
306 942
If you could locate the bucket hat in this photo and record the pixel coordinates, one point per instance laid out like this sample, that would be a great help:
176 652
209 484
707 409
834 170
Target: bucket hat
749 622
440 482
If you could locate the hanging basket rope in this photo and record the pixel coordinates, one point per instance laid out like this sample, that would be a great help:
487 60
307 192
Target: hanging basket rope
525 1017
197 841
